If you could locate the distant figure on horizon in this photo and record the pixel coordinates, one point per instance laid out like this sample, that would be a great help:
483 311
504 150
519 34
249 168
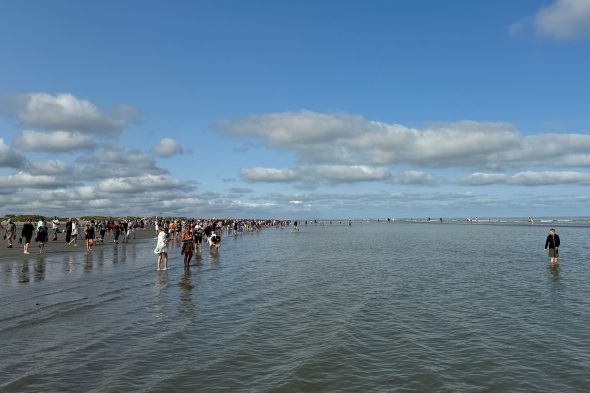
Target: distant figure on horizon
295 225
552 242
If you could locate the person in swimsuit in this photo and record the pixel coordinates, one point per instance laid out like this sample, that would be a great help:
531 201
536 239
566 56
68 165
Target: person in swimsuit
187 247
89 236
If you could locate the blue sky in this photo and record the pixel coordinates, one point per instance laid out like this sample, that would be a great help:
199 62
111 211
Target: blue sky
295 109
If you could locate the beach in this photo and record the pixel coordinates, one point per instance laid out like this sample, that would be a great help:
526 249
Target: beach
370 307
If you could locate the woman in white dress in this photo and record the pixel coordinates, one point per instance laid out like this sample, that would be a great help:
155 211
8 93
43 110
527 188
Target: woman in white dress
162 248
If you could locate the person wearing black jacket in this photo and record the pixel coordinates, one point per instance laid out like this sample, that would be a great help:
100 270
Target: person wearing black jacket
552 242
69 231
27 233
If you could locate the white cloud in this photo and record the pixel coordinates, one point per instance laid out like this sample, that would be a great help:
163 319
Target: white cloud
10 158
167 148
528 178
66 112
350 140
138 184
412 178
564 19
269 175
484 179
115 162
49 167
23 179
54 141
351 173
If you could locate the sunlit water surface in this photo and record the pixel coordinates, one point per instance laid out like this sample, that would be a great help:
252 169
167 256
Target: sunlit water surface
373 307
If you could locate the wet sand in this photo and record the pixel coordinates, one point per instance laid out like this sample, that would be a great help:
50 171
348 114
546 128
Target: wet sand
60 245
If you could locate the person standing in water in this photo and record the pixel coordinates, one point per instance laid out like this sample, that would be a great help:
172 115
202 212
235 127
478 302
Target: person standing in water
162 247
89 235
74 234
552 242
27 234
10 233
187 246
42 236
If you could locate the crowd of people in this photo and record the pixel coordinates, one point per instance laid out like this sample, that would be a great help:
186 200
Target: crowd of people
189 232
94 231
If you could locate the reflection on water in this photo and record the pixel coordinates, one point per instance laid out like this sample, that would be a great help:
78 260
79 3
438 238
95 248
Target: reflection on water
69 262
99 254
161 280
23 276
186 285
115 254
186 306
88 264
431 308
40 268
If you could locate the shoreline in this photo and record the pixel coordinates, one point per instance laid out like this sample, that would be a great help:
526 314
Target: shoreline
60 246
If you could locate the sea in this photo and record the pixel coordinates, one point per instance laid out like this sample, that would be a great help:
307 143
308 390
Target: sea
404 305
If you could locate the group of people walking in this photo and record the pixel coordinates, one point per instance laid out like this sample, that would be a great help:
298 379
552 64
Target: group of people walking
190 234
92 231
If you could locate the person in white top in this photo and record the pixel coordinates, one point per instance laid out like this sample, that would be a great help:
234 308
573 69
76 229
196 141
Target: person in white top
74 235
162 248
55 227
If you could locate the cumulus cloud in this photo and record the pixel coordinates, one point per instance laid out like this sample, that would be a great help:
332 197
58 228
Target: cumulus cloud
351 173
269 175
528 178
23 179
315 174
167 148
115 162
66 112
54 141
49 167
412 178
10 158
351 140
141 184
312 175
564 19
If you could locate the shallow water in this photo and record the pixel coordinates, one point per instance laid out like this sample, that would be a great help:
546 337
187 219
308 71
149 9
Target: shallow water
372 307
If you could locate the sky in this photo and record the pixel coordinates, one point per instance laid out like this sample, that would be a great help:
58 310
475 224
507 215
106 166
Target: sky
295 109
